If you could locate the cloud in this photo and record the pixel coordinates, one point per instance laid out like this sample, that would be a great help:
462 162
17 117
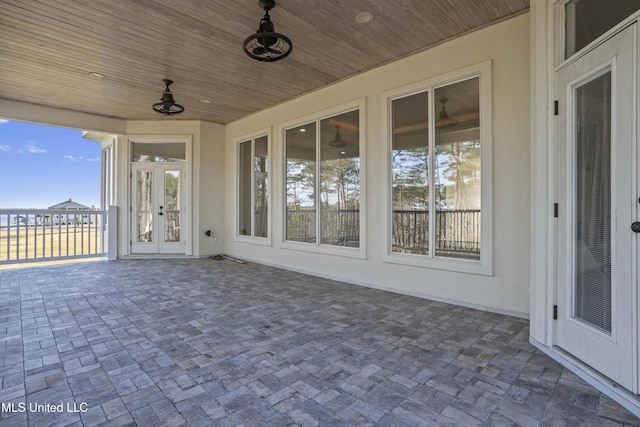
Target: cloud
80 158
5 148
3 121
33 148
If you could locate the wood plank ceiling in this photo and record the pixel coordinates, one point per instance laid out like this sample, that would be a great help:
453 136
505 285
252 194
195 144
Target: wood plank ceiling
48 49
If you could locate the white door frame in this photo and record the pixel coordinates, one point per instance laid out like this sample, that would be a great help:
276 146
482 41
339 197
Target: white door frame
187 219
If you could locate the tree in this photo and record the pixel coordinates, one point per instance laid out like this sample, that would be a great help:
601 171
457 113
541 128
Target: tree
340 183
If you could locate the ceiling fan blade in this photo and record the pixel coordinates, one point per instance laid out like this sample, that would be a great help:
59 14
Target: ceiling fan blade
261 50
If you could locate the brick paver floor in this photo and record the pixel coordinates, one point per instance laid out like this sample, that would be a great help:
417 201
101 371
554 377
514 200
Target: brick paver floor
218 343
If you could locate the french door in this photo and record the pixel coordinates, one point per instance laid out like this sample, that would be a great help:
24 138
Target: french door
598 202
158 208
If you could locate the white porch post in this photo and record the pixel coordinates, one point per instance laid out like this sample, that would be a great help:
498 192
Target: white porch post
112 233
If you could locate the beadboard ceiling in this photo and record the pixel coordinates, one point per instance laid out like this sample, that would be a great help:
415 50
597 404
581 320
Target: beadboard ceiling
49 48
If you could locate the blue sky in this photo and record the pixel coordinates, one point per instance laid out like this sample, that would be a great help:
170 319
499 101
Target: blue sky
41 166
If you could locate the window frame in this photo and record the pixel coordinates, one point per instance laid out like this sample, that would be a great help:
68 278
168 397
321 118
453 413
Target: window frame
318 247
485 265
251 138
108 173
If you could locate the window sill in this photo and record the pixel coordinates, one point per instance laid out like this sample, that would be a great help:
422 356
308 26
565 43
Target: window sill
482 267
261 241
342 251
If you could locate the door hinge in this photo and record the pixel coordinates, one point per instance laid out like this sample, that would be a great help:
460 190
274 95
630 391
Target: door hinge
555 210
556 107
130 242
555 312
130 174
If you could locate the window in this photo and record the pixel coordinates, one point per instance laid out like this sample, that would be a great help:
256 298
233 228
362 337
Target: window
158 152
253 186
586 20
323 181
437 175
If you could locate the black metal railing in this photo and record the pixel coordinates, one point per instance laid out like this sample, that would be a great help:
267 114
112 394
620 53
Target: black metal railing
457 232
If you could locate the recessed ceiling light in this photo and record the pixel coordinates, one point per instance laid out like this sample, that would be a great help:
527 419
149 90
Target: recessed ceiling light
303 130
205 101
364 17
97 75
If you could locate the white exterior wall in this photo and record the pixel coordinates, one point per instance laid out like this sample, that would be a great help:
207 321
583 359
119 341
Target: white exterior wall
507 290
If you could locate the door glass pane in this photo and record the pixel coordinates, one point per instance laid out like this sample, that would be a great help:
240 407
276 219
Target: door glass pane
457 170
261 166
592 287
171 206
144 203
244 181
410 174
340 180
160 152
301 173
586 20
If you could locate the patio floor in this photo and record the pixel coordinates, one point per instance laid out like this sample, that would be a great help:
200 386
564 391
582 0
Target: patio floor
204 342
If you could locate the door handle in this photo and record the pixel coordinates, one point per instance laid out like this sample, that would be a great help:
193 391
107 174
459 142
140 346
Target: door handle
635 227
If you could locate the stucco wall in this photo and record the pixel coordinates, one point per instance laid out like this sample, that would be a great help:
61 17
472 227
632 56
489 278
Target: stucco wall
507 290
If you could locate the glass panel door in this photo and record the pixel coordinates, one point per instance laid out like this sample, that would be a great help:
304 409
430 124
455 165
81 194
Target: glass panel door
171 205
144 206
158 208
597 204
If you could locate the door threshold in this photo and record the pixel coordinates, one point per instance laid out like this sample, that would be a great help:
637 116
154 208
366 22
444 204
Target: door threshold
155 256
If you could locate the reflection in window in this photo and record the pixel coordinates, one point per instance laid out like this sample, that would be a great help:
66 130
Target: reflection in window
340 180
253 187
435 172
244 208
172 205
457 173
144 206
323 181
410 174
301 183
261 187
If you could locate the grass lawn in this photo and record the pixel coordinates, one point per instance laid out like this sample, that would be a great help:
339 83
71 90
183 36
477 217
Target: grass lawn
38 243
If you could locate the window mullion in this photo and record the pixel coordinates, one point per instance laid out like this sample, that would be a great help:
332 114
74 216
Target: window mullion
253 187
317 185
431 135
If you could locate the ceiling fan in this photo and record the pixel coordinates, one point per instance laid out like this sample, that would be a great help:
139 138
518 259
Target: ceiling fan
337 141
266 45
